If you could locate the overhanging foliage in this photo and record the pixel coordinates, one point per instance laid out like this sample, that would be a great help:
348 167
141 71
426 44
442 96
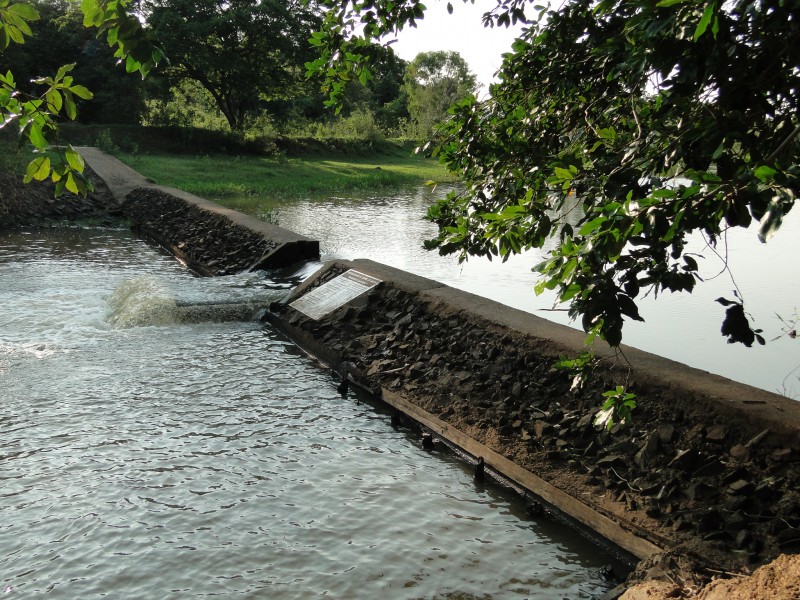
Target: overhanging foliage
659 119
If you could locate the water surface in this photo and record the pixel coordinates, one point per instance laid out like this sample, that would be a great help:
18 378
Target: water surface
216 459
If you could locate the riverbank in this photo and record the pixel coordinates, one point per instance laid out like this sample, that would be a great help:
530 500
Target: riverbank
244 175
248 183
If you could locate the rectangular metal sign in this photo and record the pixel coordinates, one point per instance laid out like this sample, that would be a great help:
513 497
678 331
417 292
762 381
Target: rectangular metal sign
332 294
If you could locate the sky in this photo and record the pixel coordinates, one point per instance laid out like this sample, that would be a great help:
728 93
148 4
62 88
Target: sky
463 32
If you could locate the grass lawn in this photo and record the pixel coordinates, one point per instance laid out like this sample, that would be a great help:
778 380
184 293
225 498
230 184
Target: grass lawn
237 181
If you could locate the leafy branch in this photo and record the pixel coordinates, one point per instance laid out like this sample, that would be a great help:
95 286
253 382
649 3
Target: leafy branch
37 116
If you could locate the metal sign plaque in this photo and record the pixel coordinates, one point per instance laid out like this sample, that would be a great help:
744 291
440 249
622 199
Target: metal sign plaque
334 293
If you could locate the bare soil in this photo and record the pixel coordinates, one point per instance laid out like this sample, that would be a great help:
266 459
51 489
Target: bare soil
778 580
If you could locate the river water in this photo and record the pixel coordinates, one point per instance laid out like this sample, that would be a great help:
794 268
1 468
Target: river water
390 229
157 457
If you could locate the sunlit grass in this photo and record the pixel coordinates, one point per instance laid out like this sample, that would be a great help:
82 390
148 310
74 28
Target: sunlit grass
234 180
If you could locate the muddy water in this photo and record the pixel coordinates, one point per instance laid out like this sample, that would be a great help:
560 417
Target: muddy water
152 459
683 327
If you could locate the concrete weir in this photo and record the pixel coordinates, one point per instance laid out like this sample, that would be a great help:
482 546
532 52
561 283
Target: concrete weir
706 469
210 239
705 479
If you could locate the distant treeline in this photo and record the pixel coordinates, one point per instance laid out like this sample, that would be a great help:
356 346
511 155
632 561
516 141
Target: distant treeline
238 66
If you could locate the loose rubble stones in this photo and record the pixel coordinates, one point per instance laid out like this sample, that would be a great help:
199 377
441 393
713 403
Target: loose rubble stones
208 242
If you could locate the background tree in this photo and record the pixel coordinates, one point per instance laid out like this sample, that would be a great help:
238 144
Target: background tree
35 113
244 52
661 119
433 82
59 37
382 94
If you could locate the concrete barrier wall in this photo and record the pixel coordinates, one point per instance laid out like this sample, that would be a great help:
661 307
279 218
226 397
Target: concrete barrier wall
707 470
708 465
209 238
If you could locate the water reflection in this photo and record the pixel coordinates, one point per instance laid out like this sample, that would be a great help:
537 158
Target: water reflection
684 327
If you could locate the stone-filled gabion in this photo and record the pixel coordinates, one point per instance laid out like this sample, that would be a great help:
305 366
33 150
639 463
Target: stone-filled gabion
687 473
209 243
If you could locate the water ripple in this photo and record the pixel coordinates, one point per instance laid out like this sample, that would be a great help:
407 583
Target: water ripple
216 460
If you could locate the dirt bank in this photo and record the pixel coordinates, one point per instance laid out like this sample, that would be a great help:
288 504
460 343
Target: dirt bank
712 481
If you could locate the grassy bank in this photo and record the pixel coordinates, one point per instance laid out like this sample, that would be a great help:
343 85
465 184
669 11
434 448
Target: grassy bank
212 165
222 178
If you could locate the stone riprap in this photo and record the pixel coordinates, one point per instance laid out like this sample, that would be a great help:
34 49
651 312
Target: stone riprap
33 204
208 238
208 243
707 470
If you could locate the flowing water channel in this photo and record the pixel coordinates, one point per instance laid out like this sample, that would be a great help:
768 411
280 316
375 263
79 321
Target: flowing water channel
684 327
146 452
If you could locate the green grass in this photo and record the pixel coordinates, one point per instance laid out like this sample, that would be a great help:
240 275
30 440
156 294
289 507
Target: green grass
240 177
247 180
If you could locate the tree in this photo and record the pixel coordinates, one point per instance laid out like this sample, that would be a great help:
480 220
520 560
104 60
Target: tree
434 81
383 94
659 118
36 114
243 52
59 37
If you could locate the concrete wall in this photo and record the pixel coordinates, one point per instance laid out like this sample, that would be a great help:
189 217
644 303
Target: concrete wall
207 237
708 465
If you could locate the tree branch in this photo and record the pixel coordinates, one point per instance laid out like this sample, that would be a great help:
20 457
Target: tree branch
783 145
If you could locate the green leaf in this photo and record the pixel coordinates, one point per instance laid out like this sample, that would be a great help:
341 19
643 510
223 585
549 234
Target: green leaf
15 34
26 11
764 173
705 20
38 169
81 92
63 70
592 225
607 133
54 100
69 105
71 184
667 3
131 64
563 174
36 136
74 160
